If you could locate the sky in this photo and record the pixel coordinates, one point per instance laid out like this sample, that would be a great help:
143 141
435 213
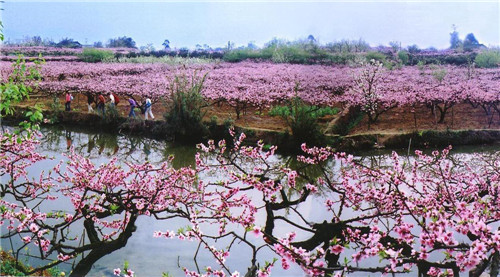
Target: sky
185 24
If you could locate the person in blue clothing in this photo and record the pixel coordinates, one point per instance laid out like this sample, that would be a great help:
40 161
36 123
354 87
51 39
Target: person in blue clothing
133 105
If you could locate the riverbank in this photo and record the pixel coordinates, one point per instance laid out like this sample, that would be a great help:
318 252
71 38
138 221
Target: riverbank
361 140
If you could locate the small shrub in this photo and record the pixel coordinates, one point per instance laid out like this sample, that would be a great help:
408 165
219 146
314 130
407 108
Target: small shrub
112 114
342 58
279 56
348 121
228 123
185 114
421 66
439 74
488 59
458 59
377 56
93 55
302 119
212 124
404 57
239 55
56 107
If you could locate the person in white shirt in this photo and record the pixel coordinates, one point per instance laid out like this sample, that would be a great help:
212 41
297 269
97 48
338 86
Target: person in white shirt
148 109
112 99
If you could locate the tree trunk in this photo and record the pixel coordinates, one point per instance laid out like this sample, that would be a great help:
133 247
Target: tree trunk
495 264
85 265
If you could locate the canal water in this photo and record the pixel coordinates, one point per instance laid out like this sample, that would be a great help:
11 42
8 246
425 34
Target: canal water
149 256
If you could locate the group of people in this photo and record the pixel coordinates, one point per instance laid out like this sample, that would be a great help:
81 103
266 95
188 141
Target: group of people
113 101
145 108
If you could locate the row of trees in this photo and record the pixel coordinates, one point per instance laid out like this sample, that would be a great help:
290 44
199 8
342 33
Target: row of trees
343 46
468 44
119 42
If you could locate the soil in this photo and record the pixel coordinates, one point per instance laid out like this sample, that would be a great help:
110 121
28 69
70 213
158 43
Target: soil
402 120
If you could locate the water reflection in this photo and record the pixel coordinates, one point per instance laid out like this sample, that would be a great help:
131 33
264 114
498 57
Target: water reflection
69 141
132 149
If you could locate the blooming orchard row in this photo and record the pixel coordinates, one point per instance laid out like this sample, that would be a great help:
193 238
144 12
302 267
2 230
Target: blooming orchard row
431 213
254 83
377 90
371 87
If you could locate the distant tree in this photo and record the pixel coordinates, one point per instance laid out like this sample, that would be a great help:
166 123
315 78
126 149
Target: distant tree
275 42
311 39
31 41
361 45
455 41
230 45
347 46
198 47
124 41
69 43
37 40
395 45
148 48
183 52
98 44
470 42
413 49
166 44
48 42
206 47
251 45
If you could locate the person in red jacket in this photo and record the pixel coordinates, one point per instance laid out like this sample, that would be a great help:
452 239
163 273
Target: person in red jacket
67 104
100 103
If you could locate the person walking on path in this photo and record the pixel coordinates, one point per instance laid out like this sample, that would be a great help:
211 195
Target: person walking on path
133 105
90 100
67 104
100 104
148 110
111 99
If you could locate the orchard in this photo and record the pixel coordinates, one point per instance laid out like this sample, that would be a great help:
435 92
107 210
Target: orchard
427 213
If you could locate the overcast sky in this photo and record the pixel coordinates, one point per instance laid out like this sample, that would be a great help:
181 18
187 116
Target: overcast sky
425 23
